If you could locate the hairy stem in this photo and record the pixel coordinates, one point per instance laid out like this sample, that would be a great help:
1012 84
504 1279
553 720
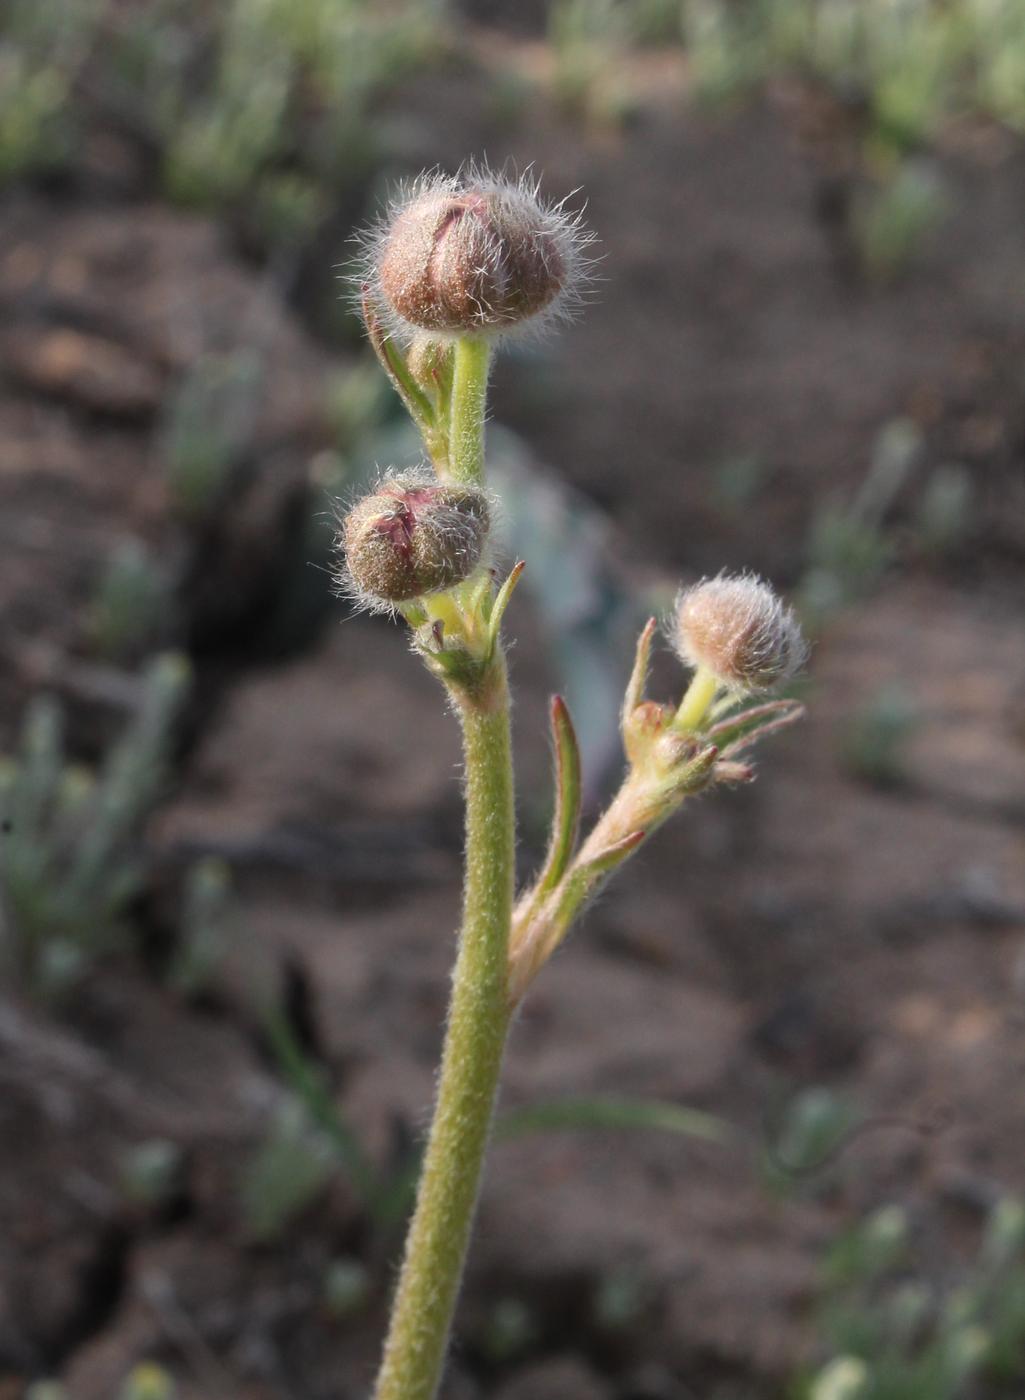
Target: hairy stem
472 361
695 704
477 1026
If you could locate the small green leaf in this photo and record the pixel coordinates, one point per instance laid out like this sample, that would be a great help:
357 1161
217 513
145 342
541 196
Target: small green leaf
612 1112
740 731
639 675
502 598
417 404
566 818
612 856
311 1090
581 881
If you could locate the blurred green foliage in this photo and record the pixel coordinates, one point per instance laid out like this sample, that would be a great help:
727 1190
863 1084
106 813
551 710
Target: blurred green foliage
873 742
148 1381
71 858
357 404
262 101
900 73
204 927
945 510
850 544
589 615
912 65
621 1298
151 1171
290 1168
44 45
808 1139
346 1287
207 424
509 1331
310 1140
587 39
130 606
898 1334
894 217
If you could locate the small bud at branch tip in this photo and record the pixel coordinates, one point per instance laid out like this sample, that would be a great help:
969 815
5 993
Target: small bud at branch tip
736 629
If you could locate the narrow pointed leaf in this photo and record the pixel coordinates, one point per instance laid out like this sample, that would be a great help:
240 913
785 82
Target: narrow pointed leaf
582 880
744 728
310 1087
566 818
611 1112
760 731
613 855
480 599
502 598
639 675
569 898
418 405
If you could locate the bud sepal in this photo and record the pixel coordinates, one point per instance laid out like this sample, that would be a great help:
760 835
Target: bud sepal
457 634
428 406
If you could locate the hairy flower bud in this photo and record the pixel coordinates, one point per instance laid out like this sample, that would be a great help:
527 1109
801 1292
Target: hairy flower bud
737 629
474 254
411 536
429 362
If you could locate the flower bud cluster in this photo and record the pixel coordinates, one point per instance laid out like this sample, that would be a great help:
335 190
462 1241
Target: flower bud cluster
474 254
412 536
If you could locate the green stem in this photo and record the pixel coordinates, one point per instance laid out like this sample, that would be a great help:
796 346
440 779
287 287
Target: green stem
477 1025
471 363
695 704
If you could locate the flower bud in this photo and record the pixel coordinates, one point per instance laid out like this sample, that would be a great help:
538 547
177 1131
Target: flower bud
738 630
429 362
474 254
411 536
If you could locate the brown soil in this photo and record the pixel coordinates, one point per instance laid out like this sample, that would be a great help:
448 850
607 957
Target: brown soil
811 929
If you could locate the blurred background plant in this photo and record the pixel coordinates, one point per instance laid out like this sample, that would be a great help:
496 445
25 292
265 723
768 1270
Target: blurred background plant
873 744
910 66
899 1334
131 604
804 1148
71 858
147 1381
850 545
207 423
899 77
310 1141
256 99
